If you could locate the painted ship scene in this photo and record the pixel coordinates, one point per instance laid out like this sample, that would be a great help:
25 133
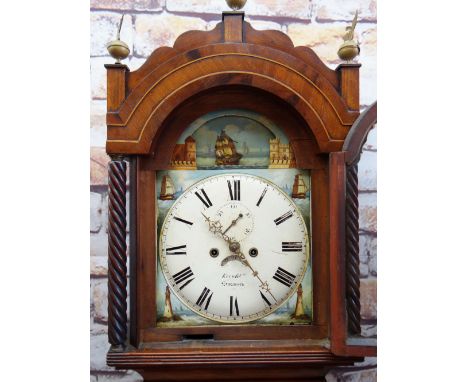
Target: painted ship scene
232 138
299 189
167 189
226 153
170 184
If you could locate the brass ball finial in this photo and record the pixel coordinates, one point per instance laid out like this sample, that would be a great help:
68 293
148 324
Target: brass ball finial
350 48
236 5
117 48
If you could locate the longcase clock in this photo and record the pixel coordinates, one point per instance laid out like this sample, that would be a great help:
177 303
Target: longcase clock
242 198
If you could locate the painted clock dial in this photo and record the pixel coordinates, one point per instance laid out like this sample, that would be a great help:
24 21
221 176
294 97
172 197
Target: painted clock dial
234 248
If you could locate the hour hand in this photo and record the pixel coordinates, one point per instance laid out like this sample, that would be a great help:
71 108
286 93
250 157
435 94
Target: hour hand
215 227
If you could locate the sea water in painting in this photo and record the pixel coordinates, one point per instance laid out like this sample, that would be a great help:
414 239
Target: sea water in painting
171 184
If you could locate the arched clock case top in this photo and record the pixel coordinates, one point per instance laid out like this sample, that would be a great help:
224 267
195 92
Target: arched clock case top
233 65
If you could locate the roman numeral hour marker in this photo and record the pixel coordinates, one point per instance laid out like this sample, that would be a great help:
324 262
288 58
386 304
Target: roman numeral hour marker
180 250
284 277
283 218
203 297
183 275
234 191
292 246
233 306
204 198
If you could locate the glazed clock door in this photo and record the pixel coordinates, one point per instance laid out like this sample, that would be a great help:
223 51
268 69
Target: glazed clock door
233 226
234 248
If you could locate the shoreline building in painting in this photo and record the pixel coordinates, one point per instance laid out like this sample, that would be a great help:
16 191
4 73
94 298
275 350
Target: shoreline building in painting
184 156
281 154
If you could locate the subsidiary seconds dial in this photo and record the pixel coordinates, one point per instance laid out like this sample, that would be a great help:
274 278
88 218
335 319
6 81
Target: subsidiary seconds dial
234 248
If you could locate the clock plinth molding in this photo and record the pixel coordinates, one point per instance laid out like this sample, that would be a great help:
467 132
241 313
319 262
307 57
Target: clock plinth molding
147 110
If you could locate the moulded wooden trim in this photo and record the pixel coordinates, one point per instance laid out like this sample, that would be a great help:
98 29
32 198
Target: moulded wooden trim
271 38
338 321
281 41
328 114
357 136
139 358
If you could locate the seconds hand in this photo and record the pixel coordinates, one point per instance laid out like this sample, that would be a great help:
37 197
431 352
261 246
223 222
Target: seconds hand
233 223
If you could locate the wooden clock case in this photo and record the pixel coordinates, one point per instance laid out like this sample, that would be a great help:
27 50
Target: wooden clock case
237 66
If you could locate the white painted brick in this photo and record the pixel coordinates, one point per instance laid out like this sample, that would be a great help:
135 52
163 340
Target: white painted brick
368 361
99 298
363 270
98 244
371 143
368 289
96 212
154 31
99 348
131 376
135 63
367 248
197 6
367 171
373 265
97 328
299 9
323 39
98 77
128 5
98 123
264 25
98 266
339 10
360 376
367 37
368 212
256 24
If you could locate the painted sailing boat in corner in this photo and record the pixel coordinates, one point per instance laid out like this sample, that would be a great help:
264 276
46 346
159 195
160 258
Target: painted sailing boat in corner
167 189
226 153
299 188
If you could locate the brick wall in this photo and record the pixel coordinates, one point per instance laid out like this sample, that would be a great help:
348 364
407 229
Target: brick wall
149 24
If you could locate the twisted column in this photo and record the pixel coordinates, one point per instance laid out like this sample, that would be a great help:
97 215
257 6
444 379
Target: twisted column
117 265
353 304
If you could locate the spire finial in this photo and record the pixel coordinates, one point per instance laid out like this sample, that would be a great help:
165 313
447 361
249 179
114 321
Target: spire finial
117 48
350 48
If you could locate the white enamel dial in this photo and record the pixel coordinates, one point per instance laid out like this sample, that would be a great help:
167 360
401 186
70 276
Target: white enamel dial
234 248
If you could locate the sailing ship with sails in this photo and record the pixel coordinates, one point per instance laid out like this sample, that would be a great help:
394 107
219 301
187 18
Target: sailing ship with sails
225 150
167 189
299 188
